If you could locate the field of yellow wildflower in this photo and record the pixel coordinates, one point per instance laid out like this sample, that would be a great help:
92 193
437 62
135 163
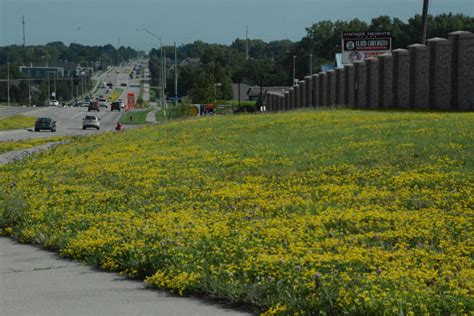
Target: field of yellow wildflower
335 211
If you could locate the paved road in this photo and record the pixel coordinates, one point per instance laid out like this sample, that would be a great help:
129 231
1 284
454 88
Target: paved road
37 282
69 122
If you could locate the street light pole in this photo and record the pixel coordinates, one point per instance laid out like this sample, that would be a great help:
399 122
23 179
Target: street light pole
175 75
8 78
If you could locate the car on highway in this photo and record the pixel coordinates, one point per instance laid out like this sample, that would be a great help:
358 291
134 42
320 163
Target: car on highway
115 106
103 103
74 103
91 121
123 84
45 123
93 106
54 103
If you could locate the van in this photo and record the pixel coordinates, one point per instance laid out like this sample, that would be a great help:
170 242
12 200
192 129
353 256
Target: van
93 106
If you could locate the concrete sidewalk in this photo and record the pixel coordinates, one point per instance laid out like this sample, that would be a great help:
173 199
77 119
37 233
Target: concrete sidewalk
37 282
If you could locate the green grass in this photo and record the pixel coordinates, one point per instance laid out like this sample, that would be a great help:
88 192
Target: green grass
25 144
115 94
172 112
236 102
16 122
134 117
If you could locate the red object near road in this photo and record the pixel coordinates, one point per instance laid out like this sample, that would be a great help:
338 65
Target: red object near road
130 101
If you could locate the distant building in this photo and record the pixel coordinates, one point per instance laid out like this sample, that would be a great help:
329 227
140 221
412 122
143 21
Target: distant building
191 62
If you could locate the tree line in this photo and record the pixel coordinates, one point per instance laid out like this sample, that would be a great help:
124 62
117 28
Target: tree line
271 63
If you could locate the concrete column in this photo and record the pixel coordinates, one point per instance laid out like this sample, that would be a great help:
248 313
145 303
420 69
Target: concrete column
439 73
323 89
419 76
331 88
309 91
372 83
316 92
340 86
291 98
360 79
286 102
281 105
349 85
462 70
267 100
401 77
385 81
302 98
296 96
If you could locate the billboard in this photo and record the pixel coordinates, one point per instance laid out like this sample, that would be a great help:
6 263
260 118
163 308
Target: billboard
362 45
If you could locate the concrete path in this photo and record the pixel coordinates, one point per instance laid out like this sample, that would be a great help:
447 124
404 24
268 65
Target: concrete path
37 282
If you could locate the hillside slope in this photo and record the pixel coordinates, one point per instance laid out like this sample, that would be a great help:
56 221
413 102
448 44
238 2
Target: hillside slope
335 210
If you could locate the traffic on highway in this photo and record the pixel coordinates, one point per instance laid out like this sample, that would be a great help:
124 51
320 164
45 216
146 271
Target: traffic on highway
97 112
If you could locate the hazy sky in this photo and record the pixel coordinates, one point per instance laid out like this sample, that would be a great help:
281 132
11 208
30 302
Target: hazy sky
217 21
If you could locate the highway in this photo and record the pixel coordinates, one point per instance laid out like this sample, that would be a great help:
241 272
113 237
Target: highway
69 119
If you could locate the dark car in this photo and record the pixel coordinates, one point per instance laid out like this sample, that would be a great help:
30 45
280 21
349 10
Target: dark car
115 106
93 106
45 123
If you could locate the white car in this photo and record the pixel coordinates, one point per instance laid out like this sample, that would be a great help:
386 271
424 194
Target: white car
54 103
103 103
91 121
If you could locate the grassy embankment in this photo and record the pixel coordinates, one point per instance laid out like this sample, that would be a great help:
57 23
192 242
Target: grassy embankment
115 95
357 212
134 117
16 122
25 144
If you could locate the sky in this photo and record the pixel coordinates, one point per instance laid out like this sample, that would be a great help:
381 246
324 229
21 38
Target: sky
100 22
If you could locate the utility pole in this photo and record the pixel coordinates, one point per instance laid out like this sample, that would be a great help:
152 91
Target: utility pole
55 96
8 77
49 88
424 21
175 75
29 88
294 69
72 89
247 42
23 22
164 66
